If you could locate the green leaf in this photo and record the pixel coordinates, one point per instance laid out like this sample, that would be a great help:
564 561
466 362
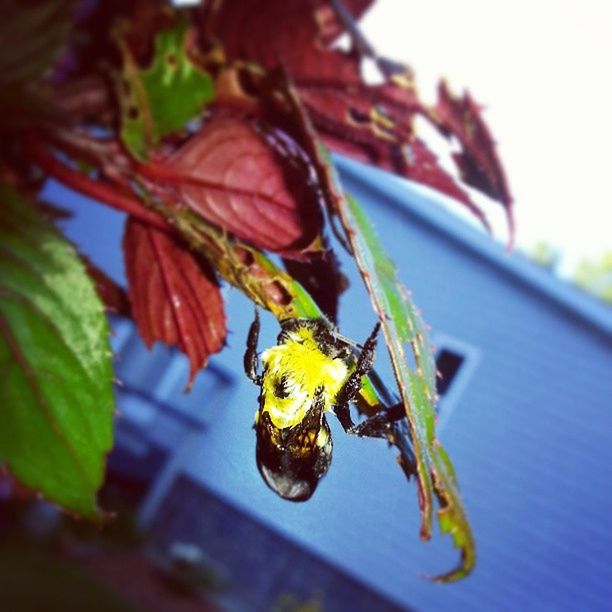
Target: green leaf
404 331
162 98
56 384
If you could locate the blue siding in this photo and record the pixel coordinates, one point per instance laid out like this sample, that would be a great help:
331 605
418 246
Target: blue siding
530 434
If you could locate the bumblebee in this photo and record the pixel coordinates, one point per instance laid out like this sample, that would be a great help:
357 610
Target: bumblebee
307 373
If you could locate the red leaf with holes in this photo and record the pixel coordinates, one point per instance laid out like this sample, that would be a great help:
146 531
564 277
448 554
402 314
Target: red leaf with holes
252 181
478 162
175 296
371 123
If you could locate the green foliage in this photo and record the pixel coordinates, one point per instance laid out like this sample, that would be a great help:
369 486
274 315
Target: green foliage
56 387
545 255
162 98
595 277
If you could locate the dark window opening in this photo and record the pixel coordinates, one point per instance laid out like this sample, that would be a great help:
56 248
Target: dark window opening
448 364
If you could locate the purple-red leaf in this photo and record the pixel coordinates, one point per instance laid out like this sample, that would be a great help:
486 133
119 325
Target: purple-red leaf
113 296
373 123
241 178
478 162
175 296
320 275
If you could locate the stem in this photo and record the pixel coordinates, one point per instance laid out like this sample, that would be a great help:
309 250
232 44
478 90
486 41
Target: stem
94 189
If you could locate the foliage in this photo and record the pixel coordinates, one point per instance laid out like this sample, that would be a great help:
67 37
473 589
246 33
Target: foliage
545 255
595 277
208 127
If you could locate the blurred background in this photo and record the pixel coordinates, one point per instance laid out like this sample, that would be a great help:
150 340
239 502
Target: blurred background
526 390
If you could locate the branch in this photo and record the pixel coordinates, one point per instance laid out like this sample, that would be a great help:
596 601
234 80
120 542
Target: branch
89 187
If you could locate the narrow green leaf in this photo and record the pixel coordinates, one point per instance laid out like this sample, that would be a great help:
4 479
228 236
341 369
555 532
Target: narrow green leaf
56 385
162 98
404 331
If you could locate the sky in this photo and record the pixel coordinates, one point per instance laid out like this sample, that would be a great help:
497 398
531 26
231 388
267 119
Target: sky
543 71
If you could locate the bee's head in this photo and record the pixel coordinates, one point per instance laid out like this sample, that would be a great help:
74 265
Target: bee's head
293 460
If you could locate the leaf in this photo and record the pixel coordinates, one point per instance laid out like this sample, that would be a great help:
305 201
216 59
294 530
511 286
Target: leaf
32 38
373 123
238 178
56 387
113 296
320 275
162 98
174 294
32 41
478 162
404 330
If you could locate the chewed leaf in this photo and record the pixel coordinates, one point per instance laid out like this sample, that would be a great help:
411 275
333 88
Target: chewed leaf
232 175
372 123
404 331
162 98
174 294
477 161
56 386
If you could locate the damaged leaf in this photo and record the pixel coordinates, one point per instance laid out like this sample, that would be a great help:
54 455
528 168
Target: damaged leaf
373 123
162 98
477 161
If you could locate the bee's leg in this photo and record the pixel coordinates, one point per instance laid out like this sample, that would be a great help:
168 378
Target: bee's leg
381 424
251 360
351 387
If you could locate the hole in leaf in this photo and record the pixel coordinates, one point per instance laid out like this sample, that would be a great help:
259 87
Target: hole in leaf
277 293
133 113
248 83
359 116
244 256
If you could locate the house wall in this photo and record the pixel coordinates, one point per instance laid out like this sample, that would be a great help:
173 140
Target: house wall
527 425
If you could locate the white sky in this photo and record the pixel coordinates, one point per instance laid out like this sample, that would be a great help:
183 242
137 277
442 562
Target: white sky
543 69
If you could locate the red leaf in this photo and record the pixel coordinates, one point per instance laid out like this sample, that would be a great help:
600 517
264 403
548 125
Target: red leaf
175 296
371 123
277 31
255 184
112 295
321 277
478 162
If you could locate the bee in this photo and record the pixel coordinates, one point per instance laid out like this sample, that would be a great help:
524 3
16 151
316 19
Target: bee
308 373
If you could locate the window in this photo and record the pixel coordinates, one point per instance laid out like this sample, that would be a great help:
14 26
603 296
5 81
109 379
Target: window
456 362
448 364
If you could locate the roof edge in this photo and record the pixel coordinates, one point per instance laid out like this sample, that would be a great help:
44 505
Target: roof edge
428 209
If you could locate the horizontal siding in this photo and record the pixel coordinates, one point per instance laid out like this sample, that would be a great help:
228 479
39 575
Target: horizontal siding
530 437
